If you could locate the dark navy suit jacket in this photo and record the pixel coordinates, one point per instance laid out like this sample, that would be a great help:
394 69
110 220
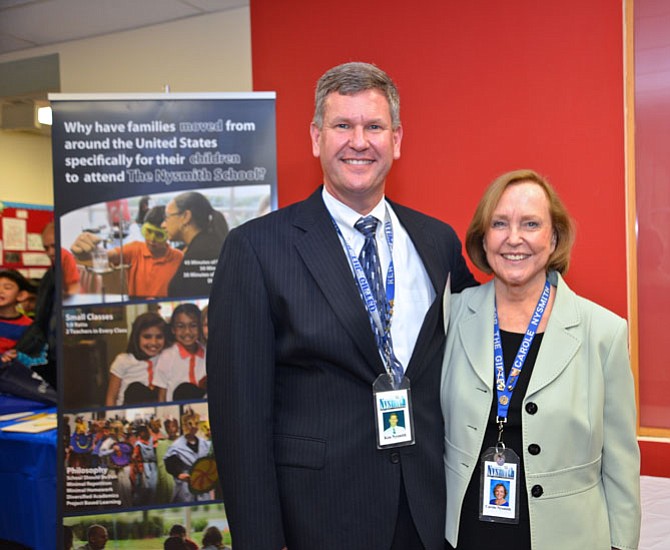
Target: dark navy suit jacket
291 360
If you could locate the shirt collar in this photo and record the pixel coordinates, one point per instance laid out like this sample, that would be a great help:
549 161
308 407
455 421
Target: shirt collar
184 353
346 217
147 253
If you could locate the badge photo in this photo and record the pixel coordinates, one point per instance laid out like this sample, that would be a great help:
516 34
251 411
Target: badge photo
394 418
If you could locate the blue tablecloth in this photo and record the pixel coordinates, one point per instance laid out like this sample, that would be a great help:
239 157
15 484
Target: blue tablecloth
10 404
27 481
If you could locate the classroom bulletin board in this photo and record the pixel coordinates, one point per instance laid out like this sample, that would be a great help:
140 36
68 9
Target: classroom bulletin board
20 237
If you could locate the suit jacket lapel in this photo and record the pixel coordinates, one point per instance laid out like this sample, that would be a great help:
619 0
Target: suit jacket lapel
475 331
321 251
560 343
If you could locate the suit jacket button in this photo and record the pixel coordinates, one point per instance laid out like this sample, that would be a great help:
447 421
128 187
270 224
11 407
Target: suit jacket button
531 408
395 458
537 491
534 449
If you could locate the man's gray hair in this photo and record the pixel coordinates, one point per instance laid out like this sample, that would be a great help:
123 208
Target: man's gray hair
352 78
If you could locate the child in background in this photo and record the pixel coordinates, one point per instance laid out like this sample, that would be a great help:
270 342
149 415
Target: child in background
152 262
180 372
132 374
13 289
29 303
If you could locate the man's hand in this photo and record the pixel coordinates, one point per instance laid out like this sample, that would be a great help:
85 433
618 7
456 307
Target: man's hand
84 244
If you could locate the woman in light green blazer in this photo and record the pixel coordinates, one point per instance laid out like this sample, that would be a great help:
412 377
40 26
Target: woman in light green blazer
568 408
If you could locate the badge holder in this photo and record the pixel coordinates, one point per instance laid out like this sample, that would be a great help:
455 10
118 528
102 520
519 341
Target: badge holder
499 485
393 412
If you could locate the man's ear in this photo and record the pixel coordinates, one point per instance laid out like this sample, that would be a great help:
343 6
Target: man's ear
315 134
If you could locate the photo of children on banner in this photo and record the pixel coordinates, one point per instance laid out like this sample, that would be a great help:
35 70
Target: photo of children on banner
191 462
155 246
145 463
164 439
131 375
182 525
180 370
178 539
191 219
134 354
143 458
205 325
149 264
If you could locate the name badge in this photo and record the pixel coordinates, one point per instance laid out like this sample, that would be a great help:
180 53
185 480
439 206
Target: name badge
499 486
393 412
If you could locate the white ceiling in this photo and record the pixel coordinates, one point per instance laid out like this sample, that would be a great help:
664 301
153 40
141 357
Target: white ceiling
30 23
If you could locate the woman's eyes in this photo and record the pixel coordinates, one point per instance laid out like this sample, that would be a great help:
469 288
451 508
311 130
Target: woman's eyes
529 224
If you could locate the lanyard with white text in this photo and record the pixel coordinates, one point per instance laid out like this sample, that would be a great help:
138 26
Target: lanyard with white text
506 388
383 324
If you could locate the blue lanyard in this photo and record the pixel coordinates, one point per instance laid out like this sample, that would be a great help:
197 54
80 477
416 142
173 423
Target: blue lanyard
506 388
383 324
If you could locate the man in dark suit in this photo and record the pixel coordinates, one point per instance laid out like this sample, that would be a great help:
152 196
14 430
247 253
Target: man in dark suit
295 347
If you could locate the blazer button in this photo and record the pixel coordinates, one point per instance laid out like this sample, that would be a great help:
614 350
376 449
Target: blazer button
531 408
534 449
537 491
395 458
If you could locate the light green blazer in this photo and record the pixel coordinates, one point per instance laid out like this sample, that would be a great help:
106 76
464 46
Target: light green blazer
585 421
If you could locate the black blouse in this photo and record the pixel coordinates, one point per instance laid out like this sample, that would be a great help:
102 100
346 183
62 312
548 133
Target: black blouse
475 534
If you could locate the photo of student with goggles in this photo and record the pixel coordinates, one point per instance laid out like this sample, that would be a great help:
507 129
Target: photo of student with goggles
150 264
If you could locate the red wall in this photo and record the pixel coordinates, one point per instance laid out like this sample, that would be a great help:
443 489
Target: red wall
486 87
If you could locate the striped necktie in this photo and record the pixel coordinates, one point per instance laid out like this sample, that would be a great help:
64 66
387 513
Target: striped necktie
369 259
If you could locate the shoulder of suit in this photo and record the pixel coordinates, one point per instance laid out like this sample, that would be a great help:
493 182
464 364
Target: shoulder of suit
469 296
276 218
597 315
407 212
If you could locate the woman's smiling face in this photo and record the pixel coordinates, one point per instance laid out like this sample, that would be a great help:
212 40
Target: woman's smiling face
520 238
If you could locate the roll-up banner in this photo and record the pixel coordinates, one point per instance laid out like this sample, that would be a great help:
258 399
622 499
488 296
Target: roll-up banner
147 186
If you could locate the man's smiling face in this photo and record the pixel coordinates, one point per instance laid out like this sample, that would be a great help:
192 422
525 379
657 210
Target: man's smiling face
357 146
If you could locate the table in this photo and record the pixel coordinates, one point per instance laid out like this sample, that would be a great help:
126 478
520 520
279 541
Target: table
27 480
655 520
10 404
